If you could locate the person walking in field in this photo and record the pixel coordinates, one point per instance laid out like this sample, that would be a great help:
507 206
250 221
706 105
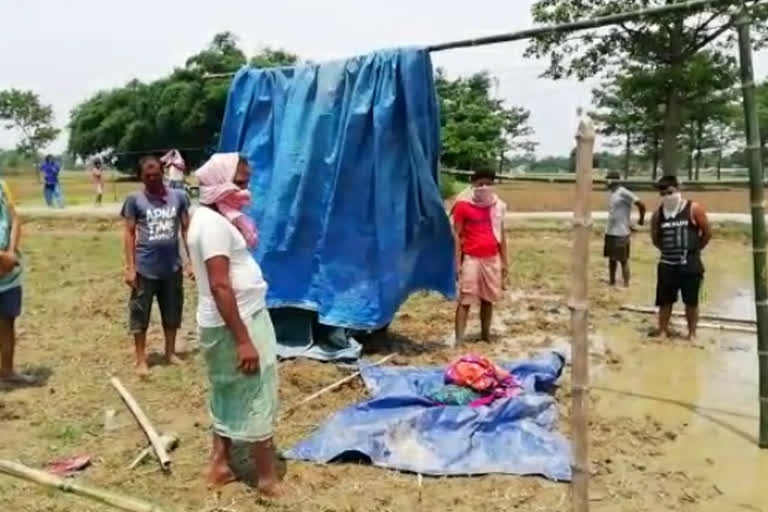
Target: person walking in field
236 333
481 251
97 173
154 218
619 230
680 230
10 286
50 170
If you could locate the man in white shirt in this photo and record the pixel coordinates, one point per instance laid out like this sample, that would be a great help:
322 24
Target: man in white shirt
236 332
619 230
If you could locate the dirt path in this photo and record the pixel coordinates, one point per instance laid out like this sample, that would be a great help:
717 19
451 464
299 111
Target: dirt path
113 210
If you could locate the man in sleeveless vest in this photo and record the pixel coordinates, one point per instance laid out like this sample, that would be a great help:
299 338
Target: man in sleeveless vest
680 230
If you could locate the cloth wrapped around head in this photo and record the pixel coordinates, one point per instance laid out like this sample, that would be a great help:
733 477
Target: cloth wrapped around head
218 189
173 158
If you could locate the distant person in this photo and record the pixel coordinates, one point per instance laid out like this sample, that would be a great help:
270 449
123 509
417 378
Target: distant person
154 218
619 230
175 169
680 230
10 285
97 173
51 185
481 251
236 332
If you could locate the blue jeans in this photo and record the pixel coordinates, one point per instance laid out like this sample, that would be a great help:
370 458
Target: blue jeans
52 194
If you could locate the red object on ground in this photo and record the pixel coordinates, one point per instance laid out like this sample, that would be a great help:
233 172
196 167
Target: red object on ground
69 465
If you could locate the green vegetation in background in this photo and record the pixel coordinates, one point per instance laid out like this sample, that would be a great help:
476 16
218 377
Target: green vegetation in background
686 58
449 185
183 110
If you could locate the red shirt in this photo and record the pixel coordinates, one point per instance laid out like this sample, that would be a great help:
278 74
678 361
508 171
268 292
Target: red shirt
475 230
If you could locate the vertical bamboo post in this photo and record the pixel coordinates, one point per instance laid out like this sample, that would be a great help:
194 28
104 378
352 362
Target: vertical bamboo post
579 305
754 159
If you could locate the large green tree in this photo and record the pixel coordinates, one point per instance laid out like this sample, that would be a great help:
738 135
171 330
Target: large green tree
628 104
477 129
183 110
665 44
23 112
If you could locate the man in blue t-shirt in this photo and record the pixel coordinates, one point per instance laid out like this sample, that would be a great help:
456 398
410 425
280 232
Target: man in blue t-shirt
154 217
51 187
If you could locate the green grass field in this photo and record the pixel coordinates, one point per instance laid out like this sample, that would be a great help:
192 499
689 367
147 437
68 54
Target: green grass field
77 186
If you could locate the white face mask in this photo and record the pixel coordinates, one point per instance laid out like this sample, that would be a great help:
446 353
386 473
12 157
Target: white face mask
671 202
482 194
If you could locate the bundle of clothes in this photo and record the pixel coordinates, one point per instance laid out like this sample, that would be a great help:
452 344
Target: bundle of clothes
475 381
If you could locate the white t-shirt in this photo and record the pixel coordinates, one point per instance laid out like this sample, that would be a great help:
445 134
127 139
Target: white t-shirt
620 203
175 174
211 234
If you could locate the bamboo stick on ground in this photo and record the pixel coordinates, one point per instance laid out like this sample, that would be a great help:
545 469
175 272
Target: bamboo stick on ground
333 386
579 304
144 423
702 316
170 441
50 481
719 327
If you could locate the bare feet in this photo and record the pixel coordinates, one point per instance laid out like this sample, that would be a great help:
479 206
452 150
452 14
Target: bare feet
142 369
173 359
271 489
220 475
658 333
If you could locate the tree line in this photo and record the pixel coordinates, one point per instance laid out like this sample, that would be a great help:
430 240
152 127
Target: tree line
668 96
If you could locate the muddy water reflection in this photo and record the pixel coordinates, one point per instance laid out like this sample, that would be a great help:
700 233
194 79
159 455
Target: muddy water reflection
709 392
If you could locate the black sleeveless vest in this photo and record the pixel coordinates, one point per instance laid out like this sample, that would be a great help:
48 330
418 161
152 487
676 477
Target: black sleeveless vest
680 240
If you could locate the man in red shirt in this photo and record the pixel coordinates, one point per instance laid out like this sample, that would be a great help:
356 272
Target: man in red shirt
481 251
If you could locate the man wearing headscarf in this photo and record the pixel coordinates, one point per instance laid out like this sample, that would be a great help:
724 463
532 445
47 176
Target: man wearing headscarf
236 332
175 169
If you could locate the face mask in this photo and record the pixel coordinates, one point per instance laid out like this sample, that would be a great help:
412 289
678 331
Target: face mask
671 202
155 188
483 194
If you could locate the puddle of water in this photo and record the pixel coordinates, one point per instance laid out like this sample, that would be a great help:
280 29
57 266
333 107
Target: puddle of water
711 394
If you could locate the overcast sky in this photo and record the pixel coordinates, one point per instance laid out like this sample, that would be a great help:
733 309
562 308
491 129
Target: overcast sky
67 50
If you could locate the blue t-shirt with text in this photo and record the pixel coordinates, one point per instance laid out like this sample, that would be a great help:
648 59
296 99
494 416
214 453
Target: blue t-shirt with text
158 221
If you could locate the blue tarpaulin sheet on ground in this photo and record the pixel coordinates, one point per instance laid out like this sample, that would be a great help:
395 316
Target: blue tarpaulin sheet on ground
345 183
400 429
299 334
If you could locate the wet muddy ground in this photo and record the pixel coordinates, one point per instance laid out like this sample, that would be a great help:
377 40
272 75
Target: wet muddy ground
673 423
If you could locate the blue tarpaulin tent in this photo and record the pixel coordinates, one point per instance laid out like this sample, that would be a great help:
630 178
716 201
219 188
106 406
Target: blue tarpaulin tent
345 183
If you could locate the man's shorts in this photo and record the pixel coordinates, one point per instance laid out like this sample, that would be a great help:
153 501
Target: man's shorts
170 298
674 279
10 303
616 248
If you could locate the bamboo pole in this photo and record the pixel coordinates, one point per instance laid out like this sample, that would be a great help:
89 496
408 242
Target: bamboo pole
170 441
333 386
719 327
754 153
45 479
703 316
574 26
144 423
579 305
